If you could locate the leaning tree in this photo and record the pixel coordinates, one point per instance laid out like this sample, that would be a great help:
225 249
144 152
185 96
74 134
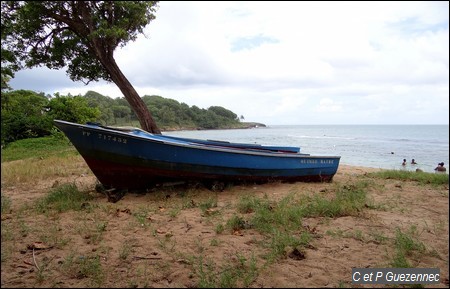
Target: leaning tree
79 35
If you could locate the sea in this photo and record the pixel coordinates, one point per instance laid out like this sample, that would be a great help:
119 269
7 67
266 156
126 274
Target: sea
375 146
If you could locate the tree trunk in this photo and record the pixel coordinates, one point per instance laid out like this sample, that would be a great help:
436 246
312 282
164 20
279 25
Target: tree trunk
137 104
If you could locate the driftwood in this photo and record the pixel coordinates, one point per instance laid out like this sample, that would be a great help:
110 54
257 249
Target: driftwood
146 258
35 263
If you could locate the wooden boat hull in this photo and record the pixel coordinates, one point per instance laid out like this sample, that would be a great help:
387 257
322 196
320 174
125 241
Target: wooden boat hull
126 160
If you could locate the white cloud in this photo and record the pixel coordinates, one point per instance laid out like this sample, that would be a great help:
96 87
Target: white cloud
291 62
328 105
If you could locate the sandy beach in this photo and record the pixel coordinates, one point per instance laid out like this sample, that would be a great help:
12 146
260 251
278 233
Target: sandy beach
170 237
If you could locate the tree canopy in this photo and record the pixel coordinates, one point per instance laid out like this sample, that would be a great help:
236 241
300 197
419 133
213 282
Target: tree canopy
80 36
28 114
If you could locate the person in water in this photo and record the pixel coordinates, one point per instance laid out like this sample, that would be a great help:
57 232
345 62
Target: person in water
413 162
404 162
440 167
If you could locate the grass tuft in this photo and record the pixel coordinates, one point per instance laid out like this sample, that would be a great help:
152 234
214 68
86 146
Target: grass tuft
63 198
421 177
41 147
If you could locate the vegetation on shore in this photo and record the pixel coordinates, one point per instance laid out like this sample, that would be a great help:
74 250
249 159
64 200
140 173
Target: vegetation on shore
78 36
27 114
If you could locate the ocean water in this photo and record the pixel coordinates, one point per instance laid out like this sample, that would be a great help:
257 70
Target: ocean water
376 146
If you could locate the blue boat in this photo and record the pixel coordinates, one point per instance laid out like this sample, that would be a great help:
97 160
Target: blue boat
133 159
286 149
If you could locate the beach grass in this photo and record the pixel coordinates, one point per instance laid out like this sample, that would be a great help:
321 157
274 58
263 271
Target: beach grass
420 177
192 237
42 147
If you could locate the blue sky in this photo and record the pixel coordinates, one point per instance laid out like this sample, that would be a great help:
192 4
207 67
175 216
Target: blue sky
288 62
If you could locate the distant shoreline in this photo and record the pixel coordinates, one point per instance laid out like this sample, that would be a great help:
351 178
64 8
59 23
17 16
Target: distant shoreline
241 125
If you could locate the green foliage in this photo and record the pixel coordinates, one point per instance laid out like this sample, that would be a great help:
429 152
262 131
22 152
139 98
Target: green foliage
74 109
236 223
23 115
239 274
225 113
281 221
63 198
79 35
406 245
170 114
81 266
82 37
36 147
207 205
107 107
27 114
421 177
350 200
407 242
10 63
6 204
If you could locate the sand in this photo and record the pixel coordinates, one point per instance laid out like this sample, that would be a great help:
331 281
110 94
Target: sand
165 239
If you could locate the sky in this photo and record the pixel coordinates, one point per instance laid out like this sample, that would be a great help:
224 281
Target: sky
287 63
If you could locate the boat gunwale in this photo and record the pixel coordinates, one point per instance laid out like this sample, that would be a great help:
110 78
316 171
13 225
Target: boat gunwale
240 151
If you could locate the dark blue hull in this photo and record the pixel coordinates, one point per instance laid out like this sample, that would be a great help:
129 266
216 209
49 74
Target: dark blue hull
127 160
